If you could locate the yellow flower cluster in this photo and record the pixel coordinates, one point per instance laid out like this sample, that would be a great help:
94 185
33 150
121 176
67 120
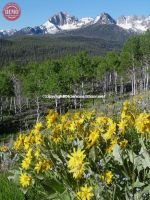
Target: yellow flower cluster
72 139
25 141
30 145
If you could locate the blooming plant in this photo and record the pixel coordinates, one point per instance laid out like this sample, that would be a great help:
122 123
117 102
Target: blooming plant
85 156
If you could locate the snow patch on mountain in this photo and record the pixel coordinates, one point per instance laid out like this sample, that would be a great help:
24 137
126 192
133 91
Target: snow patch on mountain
135 23
49 28
86 20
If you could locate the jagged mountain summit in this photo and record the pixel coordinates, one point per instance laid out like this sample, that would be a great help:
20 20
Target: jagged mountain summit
104 18
134 23
64 22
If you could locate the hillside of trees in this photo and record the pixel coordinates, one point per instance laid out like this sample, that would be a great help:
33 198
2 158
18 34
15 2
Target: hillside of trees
116 72
24 49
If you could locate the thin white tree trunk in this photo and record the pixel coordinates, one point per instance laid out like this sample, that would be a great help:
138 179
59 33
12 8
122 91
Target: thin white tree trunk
115 74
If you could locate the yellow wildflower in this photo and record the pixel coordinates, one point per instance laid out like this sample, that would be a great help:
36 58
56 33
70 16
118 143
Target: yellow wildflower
19 143
142 123
26 163
123 124
38 139
25 179
76 163
113 142
38 166
37 153
123 143
29 153
51 118
43 165
107 177
85 193
93 137
111 130
38 126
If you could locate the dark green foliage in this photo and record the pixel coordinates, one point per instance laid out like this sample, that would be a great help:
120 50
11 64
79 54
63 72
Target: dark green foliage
37 48
6 88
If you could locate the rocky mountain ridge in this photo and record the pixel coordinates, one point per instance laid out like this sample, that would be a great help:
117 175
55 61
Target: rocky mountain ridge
64 22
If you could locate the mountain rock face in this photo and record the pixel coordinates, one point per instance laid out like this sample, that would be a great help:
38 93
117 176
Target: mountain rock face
62 18
104 18
64 22
30 31
134 23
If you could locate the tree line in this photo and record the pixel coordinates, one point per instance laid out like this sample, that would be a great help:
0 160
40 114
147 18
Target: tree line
116 72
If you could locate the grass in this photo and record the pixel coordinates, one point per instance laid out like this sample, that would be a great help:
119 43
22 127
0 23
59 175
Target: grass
8 190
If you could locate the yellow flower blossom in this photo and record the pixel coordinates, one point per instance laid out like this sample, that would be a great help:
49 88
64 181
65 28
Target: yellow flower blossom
85 193
51 118
37 153
111 130
38 126
107 177
38 139
123 124
25 180
113 142
38 166
93 137
43 165
142 123
19 143
26 163
29 153
76 163
123 143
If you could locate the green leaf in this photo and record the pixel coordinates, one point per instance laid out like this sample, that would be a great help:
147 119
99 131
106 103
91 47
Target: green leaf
117 154
146 189
92 154
65 196
138 184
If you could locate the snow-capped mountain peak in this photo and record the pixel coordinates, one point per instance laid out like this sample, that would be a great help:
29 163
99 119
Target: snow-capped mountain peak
135 23
63 21
62 18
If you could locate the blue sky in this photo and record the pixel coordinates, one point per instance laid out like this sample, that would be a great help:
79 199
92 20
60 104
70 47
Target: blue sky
36 12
